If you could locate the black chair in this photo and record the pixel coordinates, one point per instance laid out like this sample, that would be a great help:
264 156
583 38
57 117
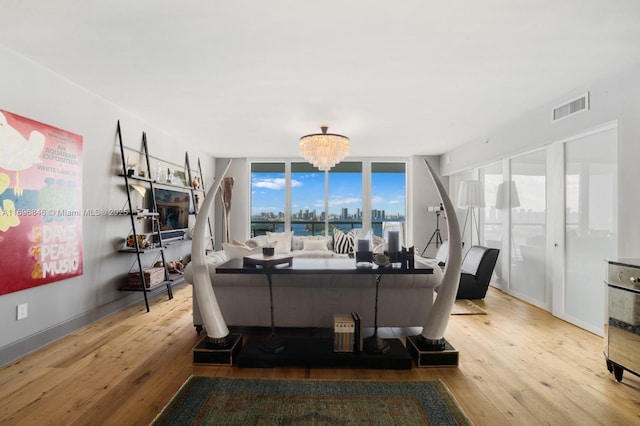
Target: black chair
477 269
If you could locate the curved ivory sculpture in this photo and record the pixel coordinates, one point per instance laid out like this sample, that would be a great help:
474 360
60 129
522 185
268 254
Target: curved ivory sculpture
211 315
438 318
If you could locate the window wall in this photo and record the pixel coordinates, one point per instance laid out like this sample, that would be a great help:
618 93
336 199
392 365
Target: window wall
345 196
353 194
388 194
268 189
308 207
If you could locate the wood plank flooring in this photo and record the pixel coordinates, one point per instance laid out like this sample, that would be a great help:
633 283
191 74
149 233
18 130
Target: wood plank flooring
518 366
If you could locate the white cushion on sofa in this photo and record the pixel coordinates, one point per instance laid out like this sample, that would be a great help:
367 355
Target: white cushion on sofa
233 251
257 241
282 240
297 241
311 245
217 256
318 254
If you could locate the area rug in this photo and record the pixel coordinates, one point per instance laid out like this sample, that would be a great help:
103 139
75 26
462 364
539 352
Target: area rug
467 307
240 401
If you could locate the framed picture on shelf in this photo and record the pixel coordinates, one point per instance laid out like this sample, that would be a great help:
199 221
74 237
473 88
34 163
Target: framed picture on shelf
180 178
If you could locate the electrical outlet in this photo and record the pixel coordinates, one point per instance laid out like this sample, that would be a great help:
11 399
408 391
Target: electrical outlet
22 311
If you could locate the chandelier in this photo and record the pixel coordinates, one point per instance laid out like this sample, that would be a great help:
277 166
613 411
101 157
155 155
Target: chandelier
324 150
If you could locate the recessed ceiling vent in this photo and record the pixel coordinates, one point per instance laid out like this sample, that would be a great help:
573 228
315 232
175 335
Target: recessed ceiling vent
574 106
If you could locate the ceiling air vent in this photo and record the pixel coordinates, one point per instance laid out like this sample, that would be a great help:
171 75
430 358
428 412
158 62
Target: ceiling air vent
572 107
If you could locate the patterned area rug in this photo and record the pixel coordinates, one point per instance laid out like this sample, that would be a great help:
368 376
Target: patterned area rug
467 307
239 401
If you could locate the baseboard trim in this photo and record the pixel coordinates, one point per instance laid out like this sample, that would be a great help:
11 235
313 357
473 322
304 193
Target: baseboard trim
29 344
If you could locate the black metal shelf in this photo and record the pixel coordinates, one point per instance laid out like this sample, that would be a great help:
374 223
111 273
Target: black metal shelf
159 242
135 215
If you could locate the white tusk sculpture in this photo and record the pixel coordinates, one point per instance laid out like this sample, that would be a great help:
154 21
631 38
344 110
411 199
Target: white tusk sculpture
217 331
432 336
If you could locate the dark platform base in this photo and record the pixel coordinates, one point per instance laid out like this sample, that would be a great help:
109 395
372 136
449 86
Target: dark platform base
318 351
202 354
445 358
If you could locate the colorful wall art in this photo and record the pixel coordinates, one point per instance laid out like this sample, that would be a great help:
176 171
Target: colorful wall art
40 203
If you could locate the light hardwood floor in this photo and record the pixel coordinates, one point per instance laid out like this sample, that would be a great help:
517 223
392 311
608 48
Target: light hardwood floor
518 366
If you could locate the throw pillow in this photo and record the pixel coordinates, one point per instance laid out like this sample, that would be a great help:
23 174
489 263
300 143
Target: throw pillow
239 244
217 256
309 245
232 251
297 241
282 240
257 241
378 244
343 243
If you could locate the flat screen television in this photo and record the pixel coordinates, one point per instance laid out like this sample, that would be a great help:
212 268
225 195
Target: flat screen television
173 207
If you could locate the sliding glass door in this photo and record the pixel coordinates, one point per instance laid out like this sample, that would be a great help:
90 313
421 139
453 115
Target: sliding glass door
591 189
494 215
528 278
553 213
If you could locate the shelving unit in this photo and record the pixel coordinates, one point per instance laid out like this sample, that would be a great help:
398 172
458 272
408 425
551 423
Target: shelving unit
137 242
136 248
196 193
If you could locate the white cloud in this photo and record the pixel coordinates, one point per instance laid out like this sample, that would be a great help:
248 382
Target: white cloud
269 183
343 201
276 184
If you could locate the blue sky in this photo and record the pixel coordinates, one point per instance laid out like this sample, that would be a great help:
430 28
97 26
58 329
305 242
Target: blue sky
307 191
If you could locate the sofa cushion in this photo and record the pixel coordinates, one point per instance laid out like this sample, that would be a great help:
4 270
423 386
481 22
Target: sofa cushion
282 240
217 256
241 244
318 254
257 241
314 245
233 251
297 241
378 244
343 243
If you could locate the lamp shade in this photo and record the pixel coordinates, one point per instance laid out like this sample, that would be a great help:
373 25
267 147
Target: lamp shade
504 200
471 194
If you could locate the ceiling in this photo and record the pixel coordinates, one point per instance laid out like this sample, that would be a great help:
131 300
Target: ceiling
249 77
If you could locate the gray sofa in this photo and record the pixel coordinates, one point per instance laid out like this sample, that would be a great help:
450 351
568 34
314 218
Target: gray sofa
311 301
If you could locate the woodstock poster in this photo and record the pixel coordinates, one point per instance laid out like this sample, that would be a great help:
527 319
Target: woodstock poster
40 203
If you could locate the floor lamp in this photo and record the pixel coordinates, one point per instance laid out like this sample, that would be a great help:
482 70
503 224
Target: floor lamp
471 196
506 199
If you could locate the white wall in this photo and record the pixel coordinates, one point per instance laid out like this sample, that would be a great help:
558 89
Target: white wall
422 194
614 97
58 308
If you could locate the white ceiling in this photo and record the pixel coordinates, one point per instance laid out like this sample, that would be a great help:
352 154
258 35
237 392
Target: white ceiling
249 77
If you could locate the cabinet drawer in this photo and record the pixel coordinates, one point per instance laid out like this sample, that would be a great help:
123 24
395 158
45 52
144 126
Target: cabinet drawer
624 276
